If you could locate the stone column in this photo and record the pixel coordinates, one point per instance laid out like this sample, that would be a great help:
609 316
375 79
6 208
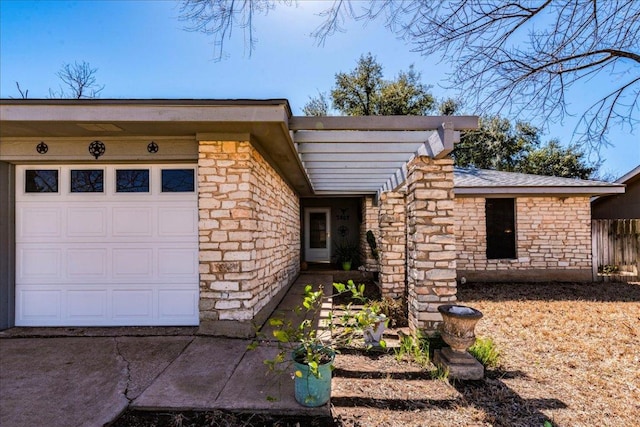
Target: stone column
431 265
393 244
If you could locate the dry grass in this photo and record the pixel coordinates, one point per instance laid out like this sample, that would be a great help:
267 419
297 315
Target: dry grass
570 354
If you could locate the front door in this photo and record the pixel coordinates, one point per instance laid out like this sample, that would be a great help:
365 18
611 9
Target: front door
317 234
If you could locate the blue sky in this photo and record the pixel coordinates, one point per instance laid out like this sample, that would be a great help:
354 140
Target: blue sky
142 51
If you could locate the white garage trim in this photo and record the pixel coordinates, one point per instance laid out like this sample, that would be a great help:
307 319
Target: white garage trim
106 258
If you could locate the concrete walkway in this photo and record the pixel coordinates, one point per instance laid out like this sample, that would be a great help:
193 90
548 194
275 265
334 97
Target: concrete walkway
89 376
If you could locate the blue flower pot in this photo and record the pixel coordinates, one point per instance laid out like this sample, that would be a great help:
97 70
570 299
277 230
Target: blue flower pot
311 390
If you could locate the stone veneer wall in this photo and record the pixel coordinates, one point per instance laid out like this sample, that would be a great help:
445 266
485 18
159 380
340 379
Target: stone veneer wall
431 250
369 222
553 240
393 244
249 232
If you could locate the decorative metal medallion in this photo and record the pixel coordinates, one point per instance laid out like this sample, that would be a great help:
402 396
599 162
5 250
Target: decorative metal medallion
42 148
343 231
97 149
153 147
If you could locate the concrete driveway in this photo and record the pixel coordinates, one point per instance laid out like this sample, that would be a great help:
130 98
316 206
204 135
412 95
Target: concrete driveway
78 381
91 381
89 376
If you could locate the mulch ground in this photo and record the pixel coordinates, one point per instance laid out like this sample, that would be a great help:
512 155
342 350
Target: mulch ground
570 356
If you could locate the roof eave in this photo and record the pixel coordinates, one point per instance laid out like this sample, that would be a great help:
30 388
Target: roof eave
539 191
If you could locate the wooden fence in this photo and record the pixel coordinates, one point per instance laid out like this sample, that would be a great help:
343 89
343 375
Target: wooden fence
616 249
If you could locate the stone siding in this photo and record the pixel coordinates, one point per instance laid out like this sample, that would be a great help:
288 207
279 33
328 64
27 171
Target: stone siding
431 269
393 244
553 240
249 233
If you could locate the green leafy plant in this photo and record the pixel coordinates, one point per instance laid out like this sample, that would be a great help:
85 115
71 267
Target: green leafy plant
485 351
414 349
393 309
358 321
303 340
300 338
440 373
347 252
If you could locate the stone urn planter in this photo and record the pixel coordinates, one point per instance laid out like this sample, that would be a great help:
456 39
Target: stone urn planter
458 330
458 326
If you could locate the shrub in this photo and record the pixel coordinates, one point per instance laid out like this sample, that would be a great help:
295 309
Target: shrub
485 351
415 349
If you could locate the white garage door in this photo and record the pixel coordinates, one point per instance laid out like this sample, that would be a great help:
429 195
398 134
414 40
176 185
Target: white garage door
106 245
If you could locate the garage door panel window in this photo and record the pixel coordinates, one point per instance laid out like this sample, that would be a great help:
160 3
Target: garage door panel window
87 181
41 181
178 180
132 180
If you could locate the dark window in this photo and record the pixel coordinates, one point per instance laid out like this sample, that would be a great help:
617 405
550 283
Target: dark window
132 180
41 181
87 181
177 180
501 228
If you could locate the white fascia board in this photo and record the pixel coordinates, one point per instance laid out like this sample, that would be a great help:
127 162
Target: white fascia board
338 166
371 123
144 113
361 157
361 137
356 147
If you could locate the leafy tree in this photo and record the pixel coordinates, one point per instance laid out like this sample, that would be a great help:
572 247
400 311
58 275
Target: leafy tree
364 92
515 57
498 144
449 106
554 160
317 106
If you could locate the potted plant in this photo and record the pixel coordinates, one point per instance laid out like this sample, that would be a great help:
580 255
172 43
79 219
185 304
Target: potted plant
366 320
373 325
347 254
312 351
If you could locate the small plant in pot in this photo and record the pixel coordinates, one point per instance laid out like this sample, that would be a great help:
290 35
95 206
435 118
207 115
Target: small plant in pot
367 320
309 350
347 254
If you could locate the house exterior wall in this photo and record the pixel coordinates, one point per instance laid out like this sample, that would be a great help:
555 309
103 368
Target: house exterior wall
393 244
619 206
249 228
553 241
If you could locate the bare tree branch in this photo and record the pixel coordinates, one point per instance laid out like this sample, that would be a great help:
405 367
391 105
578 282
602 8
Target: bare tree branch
79 81
23 94
511 56
218 17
